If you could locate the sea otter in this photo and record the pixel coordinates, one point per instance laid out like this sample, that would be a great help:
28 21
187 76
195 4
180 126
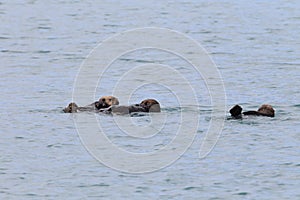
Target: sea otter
265 110
106 101
103 102
147 105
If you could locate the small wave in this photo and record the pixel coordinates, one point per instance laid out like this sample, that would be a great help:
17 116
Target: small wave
242 193
190 188
44 27
43 51
12 51
172 109
4 38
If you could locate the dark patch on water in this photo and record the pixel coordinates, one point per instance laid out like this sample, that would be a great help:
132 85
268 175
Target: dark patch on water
43 51
242 193
190 188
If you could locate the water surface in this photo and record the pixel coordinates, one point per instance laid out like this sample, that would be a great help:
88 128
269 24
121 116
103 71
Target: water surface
255 44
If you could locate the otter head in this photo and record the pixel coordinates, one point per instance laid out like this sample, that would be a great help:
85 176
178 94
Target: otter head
71 108
266 110
106 101
236 111
150 105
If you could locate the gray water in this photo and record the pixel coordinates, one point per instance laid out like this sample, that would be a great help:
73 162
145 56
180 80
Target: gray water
255 45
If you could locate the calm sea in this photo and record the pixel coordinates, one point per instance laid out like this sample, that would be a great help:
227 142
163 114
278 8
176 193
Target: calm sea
255 45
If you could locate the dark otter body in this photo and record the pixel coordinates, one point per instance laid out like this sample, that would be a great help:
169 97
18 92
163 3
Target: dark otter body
124 109
265 110
148 105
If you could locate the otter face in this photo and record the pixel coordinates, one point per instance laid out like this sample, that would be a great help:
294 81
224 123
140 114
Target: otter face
107 101
267 110
150 105
71 108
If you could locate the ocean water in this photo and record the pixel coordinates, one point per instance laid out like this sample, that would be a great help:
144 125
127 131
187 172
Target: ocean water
254 44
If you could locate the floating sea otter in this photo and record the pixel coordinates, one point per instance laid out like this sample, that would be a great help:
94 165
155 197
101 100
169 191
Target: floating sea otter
264 110
147 105
104 102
